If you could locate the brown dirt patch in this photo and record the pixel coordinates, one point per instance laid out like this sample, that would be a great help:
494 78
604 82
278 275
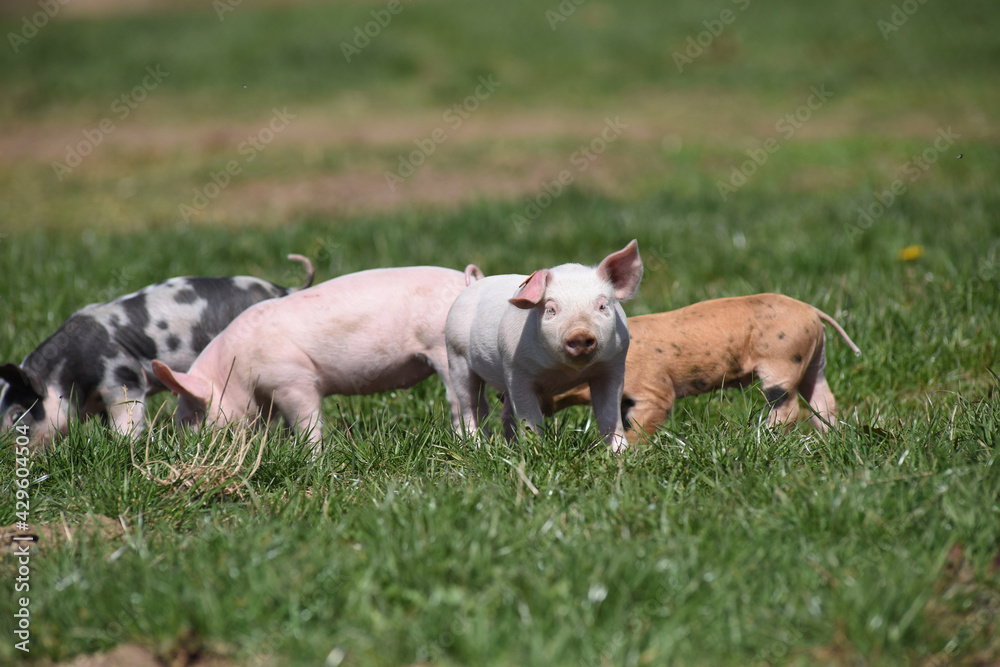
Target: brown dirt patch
43 536
133 655
350 193
332 158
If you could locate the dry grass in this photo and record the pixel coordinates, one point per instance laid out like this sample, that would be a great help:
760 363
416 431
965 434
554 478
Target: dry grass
218 465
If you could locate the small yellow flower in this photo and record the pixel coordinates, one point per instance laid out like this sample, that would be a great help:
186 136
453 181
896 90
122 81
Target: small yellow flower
910 253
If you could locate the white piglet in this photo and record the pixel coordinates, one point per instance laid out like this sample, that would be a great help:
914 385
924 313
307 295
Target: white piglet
360 333
530 336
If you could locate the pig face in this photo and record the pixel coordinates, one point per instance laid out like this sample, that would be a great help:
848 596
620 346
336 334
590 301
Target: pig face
575 309
27 401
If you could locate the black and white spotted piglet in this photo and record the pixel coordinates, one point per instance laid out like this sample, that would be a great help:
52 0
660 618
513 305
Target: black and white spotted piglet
99 361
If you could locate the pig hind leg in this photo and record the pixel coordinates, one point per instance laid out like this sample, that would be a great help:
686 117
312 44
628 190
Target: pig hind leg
779 384
470 396
440 365
521 406
644 412
816 391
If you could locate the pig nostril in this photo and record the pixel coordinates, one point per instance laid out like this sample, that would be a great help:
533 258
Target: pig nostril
580 344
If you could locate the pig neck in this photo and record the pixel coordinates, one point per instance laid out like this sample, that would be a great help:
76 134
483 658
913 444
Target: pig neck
229 390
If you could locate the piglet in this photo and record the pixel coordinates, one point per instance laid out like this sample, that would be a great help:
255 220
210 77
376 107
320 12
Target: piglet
537 335
360 333
719 344
98 363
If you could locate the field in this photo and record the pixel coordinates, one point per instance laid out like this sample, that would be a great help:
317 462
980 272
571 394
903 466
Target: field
842 153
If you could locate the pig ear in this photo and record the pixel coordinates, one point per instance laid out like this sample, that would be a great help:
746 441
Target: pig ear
532 290
623 269
182 384
20 379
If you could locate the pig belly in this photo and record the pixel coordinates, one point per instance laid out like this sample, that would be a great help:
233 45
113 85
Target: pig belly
366 378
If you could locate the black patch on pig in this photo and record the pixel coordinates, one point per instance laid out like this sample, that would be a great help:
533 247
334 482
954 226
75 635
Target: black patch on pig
132 337
677 349
76 355
658 350
699 384
162 325
225 302
627 404
776 396
220 291
797 358
781 335
186 296
21 392
127 377
695 370
173 342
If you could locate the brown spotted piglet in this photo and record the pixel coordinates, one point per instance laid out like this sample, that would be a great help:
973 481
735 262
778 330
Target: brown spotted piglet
720 344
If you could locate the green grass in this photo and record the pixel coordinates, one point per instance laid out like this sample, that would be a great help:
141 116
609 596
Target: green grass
720 543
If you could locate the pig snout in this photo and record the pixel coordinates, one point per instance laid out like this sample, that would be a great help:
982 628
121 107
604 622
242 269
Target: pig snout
580 343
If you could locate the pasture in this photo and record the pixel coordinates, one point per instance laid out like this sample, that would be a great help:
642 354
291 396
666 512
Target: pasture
842 153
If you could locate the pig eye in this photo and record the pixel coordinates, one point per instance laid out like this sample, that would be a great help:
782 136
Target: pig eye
551 309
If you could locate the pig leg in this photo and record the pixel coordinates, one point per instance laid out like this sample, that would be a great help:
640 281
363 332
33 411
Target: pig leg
470 395
816 391
126 410
508 419
301 406
606 398
647 410
521 405
780 391
439 362
311 426
783 405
